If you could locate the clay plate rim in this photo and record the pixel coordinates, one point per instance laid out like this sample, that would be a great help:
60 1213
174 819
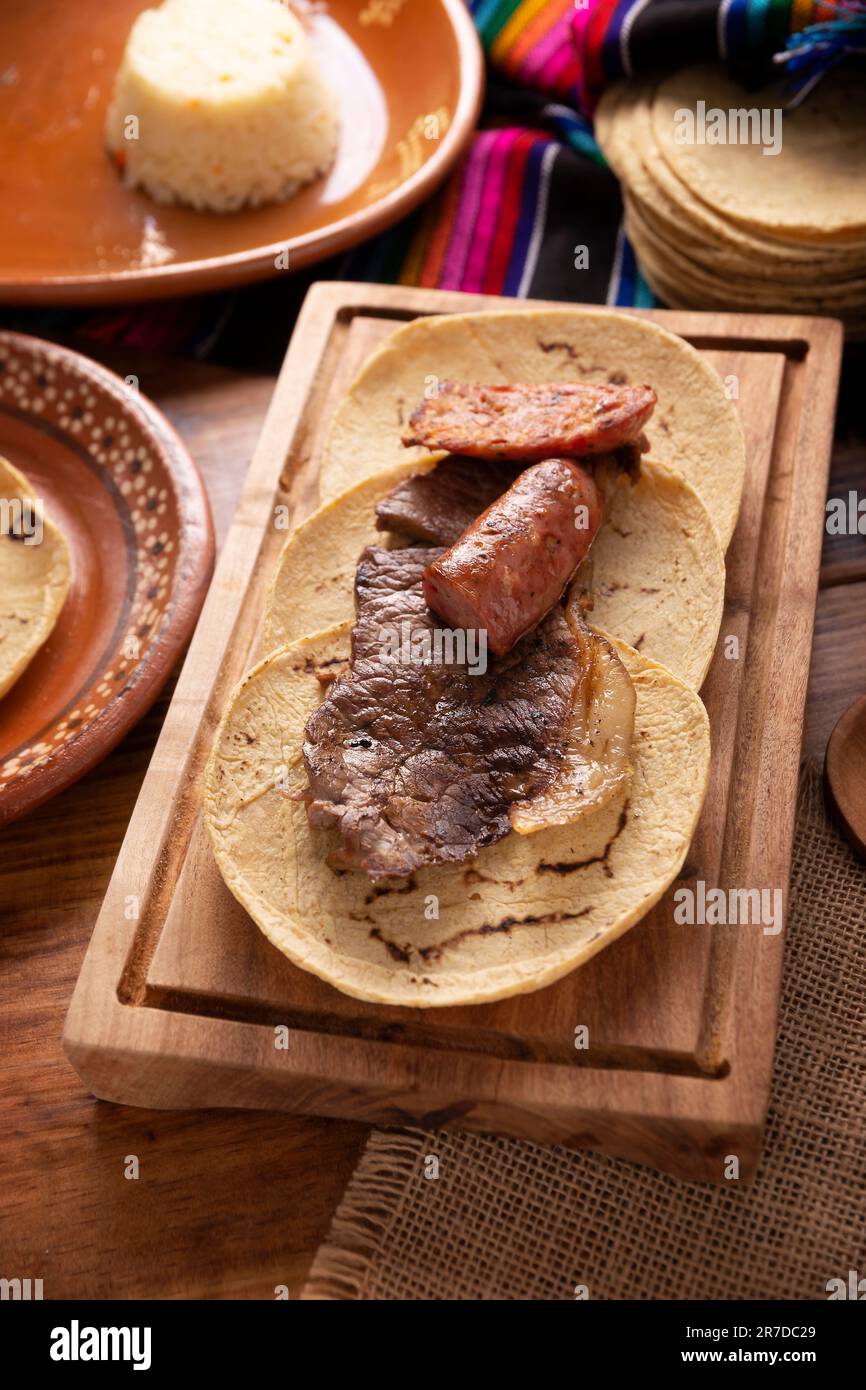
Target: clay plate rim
191 578
845 774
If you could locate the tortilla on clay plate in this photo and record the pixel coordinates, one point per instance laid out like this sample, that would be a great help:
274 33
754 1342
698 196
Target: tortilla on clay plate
34 581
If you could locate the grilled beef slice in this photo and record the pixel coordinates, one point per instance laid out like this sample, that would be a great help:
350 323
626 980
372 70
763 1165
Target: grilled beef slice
417 763
439 505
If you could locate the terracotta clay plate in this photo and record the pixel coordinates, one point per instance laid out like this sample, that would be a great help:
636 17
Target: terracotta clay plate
112 473
409 78
845 774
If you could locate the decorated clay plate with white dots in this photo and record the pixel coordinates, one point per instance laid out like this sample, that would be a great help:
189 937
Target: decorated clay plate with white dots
114 476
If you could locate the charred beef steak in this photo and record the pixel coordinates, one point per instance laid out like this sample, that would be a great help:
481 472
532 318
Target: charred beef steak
416 760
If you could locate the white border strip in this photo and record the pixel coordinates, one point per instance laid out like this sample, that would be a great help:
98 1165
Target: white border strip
534 247
625 34
616 269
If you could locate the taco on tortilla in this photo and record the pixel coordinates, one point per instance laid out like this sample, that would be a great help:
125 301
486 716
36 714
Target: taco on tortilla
694 428
425 821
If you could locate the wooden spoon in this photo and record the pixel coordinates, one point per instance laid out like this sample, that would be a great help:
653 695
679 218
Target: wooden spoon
845 774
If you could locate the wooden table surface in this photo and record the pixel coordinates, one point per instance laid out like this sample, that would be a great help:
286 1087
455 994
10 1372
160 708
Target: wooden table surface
228 1204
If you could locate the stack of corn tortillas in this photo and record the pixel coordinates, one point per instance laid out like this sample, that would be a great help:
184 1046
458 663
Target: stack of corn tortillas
531 907
34 575
733 201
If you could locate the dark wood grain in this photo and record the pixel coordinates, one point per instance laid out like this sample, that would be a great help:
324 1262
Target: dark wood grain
844 557
838 674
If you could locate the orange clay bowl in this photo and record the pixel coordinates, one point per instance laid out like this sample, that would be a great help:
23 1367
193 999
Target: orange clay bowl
114 475
409 76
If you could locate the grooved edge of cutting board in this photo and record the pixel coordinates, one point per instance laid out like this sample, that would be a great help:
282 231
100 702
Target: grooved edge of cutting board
155 1020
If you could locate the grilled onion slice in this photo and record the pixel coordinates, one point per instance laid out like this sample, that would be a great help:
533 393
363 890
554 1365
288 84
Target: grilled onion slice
596 765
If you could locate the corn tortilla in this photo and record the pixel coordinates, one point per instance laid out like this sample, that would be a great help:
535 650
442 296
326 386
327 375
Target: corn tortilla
524 912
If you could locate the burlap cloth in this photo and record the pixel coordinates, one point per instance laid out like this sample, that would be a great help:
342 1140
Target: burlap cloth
512 1220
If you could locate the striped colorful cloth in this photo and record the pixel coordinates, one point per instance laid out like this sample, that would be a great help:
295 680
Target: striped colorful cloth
575 48
531 209
533 189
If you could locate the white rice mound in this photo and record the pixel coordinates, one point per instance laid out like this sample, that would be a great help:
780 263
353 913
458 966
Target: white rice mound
230 107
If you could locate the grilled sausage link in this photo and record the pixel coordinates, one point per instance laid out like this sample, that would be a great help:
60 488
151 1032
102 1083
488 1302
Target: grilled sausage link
510 567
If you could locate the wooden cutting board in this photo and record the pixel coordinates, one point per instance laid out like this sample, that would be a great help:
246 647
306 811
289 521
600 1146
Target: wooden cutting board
180 995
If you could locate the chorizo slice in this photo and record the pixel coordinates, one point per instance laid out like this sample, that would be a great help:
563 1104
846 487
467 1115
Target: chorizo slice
510 567
530 422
